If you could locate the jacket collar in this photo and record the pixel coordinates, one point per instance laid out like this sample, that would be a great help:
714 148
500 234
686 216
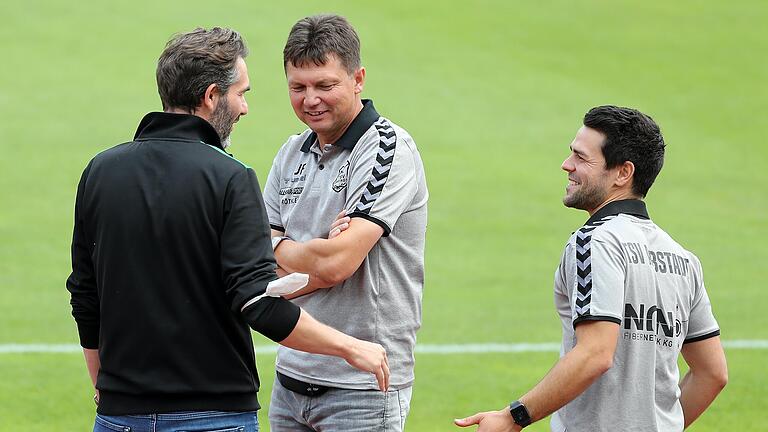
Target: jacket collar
365 118
159 125
633 207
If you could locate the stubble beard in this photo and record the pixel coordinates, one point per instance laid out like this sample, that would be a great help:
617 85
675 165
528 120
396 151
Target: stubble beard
222 121
586 197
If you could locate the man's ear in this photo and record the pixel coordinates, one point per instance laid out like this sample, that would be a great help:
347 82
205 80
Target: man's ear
359 80
210 99
625 174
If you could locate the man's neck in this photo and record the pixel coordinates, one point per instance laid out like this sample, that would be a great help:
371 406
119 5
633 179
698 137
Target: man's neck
615 196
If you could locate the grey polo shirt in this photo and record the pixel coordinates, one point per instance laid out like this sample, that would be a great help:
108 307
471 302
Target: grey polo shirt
374 171
621 267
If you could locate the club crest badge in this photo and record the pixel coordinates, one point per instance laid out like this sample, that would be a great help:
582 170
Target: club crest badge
341 180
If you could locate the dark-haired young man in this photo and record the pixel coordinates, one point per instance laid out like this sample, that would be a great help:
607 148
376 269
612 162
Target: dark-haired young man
629 297
171 258
367 271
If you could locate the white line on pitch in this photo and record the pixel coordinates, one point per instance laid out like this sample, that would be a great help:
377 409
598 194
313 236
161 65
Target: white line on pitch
486 348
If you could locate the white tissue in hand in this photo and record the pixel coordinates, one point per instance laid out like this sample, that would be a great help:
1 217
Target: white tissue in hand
280 287
287 285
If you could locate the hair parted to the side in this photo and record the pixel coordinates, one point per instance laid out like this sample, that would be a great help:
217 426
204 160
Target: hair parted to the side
314 38
629 136
193 61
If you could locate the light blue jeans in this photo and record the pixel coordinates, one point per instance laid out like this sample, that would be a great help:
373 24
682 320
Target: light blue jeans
211 421
339 410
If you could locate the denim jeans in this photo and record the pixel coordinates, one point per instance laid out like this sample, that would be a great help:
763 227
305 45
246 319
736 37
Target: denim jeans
209 421
339 410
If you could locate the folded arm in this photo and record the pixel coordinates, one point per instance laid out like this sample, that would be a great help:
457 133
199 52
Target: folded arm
328 262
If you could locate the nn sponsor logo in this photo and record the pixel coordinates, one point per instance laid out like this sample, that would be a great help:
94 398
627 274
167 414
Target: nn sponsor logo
651 319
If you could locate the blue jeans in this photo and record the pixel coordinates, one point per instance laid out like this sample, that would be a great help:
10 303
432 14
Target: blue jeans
210 421
339 410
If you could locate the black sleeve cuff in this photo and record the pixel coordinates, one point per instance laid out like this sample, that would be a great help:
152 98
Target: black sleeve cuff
274 317
370 218
583 318
89 336
277 228
702 337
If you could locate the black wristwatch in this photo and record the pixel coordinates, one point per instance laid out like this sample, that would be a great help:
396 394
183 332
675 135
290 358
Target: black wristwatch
519 414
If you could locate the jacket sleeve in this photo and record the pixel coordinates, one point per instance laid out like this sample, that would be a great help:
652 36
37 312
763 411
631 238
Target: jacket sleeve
81 283
247 261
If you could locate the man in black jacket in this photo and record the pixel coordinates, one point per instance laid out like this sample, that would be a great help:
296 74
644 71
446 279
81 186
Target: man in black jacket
171 258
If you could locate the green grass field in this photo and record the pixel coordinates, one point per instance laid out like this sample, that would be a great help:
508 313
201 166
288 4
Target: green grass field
492 92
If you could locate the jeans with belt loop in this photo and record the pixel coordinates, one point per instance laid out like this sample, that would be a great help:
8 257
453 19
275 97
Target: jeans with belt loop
214 421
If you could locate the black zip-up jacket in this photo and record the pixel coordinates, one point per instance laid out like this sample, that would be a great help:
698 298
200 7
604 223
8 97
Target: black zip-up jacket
171 239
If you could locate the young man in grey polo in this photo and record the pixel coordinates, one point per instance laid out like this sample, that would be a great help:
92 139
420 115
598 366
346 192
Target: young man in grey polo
630 300
347 202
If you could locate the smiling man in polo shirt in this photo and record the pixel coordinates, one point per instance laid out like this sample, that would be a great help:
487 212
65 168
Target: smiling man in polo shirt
347 203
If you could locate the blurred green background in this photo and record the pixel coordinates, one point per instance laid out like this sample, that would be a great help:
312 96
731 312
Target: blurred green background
492 92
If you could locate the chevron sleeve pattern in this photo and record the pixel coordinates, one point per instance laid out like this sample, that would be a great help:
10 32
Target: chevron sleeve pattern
599 271
382 181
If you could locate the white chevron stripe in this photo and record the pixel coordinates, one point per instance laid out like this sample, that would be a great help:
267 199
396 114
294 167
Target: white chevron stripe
583 249
376 183
581 310
585 281
581 296
381 169
583 235
362 207
386 154
583 264
369 196
388 141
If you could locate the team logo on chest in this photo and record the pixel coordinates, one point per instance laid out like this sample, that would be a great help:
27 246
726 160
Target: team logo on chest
341 180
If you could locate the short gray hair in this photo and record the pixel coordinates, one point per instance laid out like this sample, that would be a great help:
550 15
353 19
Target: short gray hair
314 38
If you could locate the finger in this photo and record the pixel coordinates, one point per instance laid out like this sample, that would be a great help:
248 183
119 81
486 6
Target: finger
469 421
339 222
380 378
334 232
341 214
385 368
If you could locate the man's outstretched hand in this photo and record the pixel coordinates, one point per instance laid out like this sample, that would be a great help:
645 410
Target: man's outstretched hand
491 421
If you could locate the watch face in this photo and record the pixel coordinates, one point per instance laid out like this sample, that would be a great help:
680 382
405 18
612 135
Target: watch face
519 414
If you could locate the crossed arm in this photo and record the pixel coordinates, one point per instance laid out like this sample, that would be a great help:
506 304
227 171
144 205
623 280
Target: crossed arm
328 262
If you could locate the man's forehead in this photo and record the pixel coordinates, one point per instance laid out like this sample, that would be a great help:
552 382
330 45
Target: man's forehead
309 69
588 140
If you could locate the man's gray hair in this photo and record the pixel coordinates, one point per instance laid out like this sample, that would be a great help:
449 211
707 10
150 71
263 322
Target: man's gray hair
193 61
314 38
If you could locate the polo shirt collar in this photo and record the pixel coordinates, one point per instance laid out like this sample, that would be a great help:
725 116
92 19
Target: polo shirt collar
633 207
364 120
159 125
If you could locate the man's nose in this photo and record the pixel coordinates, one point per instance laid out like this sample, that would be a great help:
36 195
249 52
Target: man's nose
567 165
311 97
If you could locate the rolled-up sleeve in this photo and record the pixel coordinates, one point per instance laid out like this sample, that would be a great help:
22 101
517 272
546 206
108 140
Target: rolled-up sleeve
247 261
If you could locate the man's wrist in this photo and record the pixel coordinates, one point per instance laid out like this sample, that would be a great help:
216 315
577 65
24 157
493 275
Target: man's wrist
520 414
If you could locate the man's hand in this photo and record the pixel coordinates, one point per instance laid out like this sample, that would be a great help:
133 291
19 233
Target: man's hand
311 336
491 421
340 224
370 357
